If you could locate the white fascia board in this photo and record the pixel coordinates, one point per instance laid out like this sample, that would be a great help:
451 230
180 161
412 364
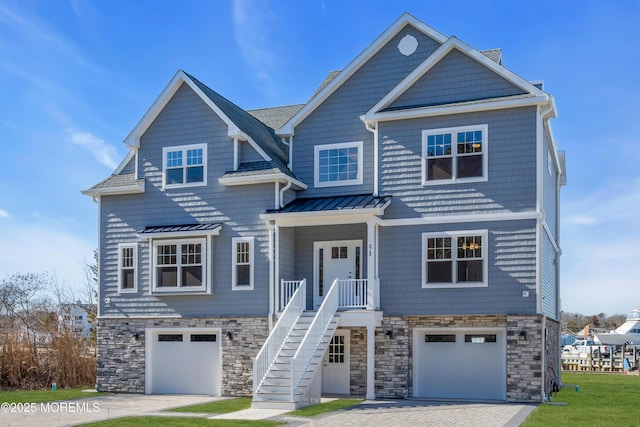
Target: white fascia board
299 219
452 109
261 179
130 155
288 128
113 191
436 57
460 219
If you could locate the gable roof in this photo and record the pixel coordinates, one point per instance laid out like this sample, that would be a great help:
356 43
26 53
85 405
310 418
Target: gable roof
240 124
341 77
118 183
275 117
378 111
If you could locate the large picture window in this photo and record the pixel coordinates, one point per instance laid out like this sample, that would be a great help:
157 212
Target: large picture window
184 165
338 164
454 259
454 154
179 265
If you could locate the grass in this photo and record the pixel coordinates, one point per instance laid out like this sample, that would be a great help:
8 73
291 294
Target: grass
603 400
322 408
179 422
219 407
47 395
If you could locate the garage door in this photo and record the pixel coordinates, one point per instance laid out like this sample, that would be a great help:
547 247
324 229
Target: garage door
460 364
183 361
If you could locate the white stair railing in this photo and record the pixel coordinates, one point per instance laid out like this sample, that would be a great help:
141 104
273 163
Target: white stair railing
287 289
354 293
311 340
278 335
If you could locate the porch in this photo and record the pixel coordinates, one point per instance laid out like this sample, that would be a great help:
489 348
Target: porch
353 294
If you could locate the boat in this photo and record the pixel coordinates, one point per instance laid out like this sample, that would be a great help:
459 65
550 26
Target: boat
626 334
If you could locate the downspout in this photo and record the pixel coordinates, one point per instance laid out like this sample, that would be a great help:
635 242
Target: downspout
373 128
282 191
271 276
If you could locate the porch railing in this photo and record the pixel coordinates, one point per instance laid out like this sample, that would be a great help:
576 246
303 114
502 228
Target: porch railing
311 340
266 356
353 293
287 289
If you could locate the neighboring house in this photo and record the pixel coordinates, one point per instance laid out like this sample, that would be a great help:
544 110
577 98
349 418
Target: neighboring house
407 216
76 318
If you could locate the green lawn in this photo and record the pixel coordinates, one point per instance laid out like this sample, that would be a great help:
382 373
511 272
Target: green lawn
322 408
602 400
220 407
35 396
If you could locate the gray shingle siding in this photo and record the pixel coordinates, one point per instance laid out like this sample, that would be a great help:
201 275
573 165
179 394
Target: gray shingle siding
248 154
511 186
512 269
187 120
338 118
549 278
456 78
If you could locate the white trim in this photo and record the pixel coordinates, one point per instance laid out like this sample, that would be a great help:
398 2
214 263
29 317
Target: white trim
297 219
356 63
135 269
205 288
261 179
236 155
234 263
436 57
454 155
454 258
184 166
112 191
460 219
130 155
339 183
456 108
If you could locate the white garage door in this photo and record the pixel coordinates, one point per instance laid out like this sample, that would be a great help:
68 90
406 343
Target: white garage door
460 364
183 361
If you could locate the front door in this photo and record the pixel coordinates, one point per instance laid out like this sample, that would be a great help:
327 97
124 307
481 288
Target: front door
338 259
335 367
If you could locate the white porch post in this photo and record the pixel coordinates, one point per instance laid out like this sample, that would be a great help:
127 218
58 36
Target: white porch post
277 266
372 297
371 360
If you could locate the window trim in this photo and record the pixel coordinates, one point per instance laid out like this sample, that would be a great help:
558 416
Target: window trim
234 263
184 148
316 164
133 246
204 288
454 284
454 155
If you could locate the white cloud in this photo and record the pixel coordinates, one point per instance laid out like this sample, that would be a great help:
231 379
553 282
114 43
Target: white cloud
102 152
3 213
253 21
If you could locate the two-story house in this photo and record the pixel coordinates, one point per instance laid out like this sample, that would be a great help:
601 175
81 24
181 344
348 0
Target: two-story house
396 236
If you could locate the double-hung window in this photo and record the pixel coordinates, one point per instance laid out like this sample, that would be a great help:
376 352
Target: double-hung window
454 259
127 267
179 265
454 155
184 166
338 164
242 272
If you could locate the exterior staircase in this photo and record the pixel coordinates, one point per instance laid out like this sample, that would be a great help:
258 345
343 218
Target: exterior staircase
285 371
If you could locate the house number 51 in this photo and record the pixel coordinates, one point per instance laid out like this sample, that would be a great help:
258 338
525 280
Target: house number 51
370 249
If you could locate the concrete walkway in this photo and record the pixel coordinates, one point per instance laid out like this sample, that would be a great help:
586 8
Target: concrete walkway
92 409
369 413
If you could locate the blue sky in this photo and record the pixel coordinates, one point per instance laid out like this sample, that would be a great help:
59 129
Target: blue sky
77 75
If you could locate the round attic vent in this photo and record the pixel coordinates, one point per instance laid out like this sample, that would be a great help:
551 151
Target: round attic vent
408 45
